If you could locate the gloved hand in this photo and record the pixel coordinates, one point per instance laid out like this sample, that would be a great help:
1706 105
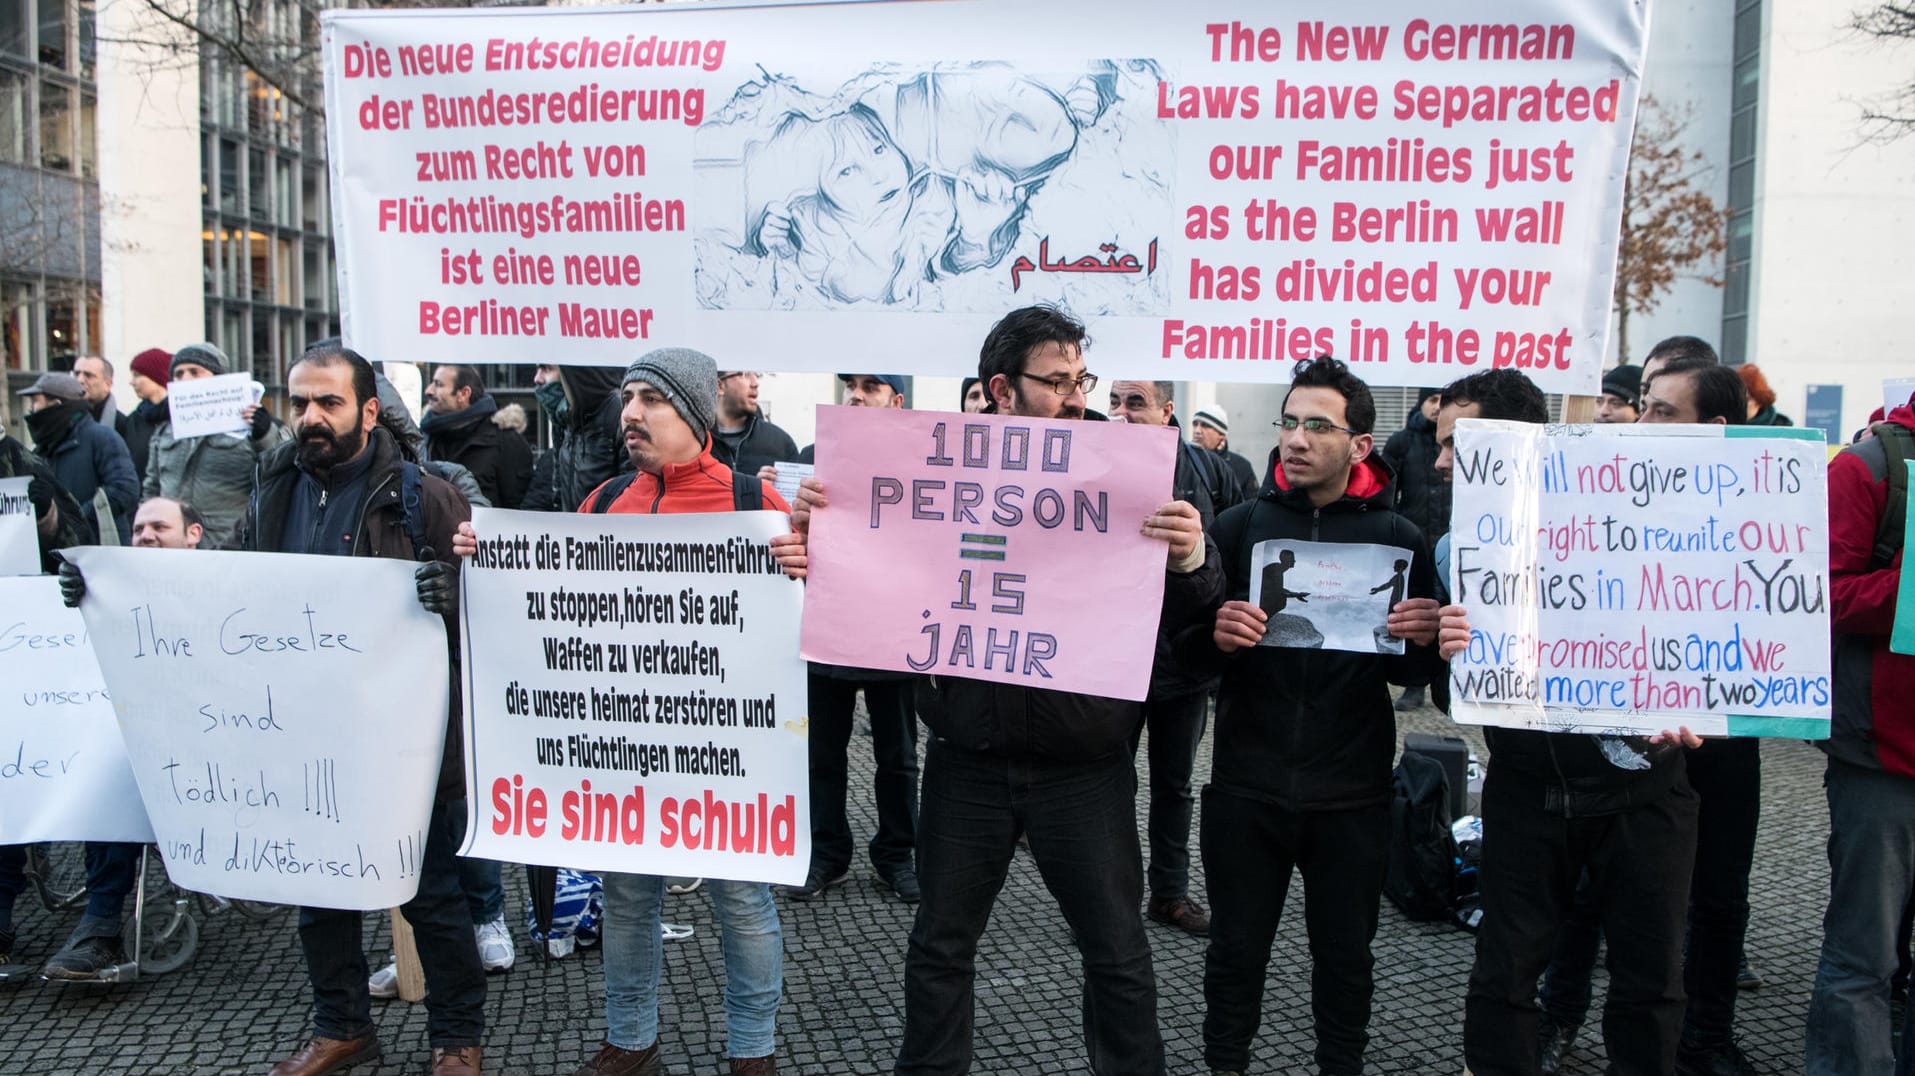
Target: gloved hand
436 590
40 495
72 584
262 422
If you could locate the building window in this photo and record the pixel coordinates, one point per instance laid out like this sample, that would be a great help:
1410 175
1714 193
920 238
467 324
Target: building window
17 332
89 136
14 28
13 115
228 176
89 47
56 127
1745 92
63 320
53 44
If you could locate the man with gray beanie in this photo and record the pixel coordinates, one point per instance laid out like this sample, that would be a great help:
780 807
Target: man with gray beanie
670 405
214 472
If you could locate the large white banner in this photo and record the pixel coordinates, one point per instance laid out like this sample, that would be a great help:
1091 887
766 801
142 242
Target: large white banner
1219 188
1630 579
63 769
634 696
19 529
285 716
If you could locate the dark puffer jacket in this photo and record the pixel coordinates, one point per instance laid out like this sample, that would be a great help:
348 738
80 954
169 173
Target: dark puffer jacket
1422 496
1308 729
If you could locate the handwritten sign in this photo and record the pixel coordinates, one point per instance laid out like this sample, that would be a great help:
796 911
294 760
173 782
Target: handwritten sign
1626 579
634 697
1219 189
989 547
790 473
19 529
1329 595
284 715
63 769
1902 641
207 405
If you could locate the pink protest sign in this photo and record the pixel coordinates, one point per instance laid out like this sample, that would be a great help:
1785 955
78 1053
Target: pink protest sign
988 547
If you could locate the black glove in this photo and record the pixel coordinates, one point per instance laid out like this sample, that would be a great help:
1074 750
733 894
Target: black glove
262 422
40 495
436 591
72 584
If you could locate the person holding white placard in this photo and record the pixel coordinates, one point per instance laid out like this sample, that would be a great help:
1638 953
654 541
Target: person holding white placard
213 473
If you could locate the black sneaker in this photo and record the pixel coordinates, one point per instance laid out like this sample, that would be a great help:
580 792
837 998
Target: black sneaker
1746 977
1725 1060
83 959
816 882
7 938
1553 1041
904 882
1411 699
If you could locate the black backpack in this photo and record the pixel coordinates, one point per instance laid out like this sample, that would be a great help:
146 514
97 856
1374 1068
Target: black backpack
747 492
1898 446
1422 876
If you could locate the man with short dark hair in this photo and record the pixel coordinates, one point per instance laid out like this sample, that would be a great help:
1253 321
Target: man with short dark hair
338 489
164 523
1679 392
1051 765
96 380
1554 806
1682 350
1300 776
745 438
459 428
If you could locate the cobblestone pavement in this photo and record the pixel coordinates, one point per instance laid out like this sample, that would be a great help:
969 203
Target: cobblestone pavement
243 1001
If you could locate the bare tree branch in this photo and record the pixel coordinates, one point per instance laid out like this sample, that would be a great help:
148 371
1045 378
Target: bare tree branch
1670 225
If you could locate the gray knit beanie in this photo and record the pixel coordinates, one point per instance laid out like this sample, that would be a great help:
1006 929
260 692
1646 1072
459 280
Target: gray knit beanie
206 355
689 379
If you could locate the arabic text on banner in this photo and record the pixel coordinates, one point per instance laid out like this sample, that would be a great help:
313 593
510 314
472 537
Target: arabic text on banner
63 769
986 532
1636 578
285 716
634 697
1220 189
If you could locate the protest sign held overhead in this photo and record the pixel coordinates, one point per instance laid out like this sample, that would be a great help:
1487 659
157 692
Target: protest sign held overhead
19 529
986 530
634 697
63 769
1636 578
1217 189
207 405
284 715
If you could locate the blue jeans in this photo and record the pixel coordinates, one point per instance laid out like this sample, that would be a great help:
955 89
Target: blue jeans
1082 821
1871 871
634 954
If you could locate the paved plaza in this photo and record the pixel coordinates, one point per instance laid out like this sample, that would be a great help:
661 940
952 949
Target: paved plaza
243 1001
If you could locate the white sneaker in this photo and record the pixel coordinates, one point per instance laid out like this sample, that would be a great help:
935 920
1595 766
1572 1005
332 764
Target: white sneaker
384 983
495 945
561 947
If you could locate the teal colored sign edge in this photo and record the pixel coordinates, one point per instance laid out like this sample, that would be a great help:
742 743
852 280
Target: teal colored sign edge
1787 728
1798 433
1902 639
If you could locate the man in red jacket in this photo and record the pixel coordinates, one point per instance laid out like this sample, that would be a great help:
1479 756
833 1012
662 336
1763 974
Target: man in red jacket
1871 749
670 403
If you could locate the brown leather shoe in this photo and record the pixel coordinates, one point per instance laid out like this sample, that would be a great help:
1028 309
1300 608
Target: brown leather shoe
457 1061
618 1061
321 1056
754 1066
1181 912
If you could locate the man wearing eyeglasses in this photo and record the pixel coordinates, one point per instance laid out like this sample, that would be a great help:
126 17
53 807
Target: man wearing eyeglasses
744 439
1301 765
1055 766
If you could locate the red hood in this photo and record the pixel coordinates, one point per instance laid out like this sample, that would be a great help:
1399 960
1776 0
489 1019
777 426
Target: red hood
1904 415
1368 479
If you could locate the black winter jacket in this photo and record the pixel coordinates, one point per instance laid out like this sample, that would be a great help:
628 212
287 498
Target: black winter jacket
762 443
1422 496
1023 722
1308 729
382 533
499 459
1203 479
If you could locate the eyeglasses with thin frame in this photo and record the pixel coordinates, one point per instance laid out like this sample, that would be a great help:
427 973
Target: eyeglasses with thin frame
1064 386
741 373
1312 426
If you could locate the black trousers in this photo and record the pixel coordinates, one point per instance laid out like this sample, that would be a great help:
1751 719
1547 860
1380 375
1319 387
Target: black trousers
1176 731
1249 849
1081 818
1638 862
1727 775
894 746
442 929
